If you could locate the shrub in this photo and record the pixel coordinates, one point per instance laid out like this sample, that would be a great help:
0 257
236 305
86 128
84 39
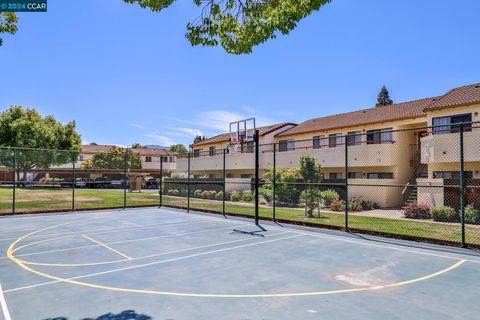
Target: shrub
368 205
267 194
355 204
219 196
247 196
205 194
173 192
337 205
416 211
328 196
235 196
227 196
212 194
445 214
472 215
197 193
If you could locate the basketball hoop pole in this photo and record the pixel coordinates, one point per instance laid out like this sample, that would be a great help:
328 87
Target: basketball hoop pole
256 141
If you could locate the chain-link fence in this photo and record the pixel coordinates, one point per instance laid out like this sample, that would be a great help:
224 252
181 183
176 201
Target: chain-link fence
413 183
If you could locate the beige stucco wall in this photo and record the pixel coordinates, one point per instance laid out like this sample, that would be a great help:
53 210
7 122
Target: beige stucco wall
454 111
431 194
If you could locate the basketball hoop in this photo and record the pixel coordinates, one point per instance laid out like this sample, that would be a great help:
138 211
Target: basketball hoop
232 147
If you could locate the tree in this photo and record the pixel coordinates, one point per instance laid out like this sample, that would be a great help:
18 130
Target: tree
311 174
26 128
383 98
8 23
137 145
199 138
114 159
238 25
310 171
179 148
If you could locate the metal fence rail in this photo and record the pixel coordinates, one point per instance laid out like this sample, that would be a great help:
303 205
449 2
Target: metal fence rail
412 183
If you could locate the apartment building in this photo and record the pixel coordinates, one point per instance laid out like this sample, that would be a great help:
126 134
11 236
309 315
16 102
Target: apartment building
440 148
388 146
150 158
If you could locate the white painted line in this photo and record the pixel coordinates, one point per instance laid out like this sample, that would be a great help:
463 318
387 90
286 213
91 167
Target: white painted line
73 233
128 241
107 247
3 303
160 261
369 244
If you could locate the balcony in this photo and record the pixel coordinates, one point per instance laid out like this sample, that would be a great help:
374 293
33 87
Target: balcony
361 155
235 161
446 147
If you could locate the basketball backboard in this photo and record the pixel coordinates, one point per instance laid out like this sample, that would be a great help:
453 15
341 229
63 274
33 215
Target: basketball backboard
242 131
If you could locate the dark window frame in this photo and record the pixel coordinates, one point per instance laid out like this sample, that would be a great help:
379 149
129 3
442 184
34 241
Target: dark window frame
380 175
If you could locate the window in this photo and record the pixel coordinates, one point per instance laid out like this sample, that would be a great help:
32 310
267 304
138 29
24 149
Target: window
380 175
229 175
211 151
335 175
148 159
355 175
247 147
82 157
380 136
196 153
442 125
319 142
334 140
246 176
451 175
286 145
354 138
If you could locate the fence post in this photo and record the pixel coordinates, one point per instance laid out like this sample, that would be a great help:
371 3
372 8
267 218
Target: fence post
346 184
74 178
462 186
257 173
14 179
160 185
188 184
274 186
125 179
224 180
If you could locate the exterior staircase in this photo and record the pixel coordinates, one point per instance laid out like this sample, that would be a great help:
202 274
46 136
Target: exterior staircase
411 191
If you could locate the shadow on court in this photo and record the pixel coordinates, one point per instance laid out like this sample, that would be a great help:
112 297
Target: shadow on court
124 315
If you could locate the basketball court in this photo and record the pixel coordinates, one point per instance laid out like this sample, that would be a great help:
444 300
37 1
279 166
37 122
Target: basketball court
167 264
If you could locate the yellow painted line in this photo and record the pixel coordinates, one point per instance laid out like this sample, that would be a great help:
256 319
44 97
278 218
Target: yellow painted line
107 247
11 248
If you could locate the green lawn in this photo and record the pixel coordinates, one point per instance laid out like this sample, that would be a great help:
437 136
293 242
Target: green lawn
56 199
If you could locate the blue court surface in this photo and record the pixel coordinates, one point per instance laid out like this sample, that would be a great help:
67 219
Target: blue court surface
163 263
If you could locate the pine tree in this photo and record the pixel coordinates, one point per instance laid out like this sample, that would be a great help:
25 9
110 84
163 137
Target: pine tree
199 138
383 98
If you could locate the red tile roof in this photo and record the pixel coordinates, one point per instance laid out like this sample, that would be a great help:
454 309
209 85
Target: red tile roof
457 97
398 111
225 137
92 149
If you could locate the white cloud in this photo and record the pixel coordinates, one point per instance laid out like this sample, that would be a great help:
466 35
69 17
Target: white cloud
186 132
136 125
248 109
163 140
219 120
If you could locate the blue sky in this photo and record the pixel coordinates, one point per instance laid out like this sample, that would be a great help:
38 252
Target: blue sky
128 75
